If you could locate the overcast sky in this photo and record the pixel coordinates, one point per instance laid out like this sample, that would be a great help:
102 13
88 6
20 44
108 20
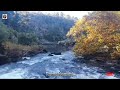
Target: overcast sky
78 14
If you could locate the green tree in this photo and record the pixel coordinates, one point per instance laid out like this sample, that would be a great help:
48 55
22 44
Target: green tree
27 39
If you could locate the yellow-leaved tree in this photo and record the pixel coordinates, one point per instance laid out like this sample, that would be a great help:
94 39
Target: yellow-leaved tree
98 31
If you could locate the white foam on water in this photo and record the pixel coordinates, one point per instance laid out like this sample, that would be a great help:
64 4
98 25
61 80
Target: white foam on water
85 72
14 74
34 60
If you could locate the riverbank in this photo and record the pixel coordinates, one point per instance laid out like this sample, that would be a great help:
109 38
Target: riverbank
51 50
14 52
102 62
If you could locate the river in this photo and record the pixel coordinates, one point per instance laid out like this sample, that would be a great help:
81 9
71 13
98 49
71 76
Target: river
43 66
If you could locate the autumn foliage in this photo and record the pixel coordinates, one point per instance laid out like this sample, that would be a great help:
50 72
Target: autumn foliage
98 31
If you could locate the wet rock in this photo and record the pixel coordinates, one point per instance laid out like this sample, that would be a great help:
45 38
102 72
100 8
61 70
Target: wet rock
50 54
56 53
45 51
47 76
63 59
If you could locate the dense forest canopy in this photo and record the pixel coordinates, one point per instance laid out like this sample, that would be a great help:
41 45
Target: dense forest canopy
44 26
97 32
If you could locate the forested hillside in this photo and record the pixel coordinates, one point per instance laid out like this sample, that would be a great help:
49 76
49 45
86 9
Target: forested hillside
45 26
24 32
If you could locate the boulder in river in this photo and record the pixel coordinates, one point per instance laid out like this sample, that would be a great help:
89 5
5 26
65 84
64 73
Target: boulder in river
63 59
50 55
45 51
56 53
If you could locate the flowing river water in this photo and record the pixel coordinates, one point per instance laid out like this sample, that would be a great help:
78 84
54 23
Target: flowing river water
43 66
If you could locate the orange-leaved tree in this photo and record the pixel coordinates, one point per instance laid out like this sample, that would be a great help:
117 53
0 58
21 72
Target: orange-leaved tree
98 31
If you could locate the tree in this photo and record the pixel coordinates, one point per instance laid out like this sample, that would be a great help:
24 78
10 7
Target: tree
27 39
97 30
3 32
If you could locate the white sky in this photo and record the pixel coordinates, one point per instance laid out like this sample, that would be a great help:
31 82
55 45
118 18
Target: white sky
78 14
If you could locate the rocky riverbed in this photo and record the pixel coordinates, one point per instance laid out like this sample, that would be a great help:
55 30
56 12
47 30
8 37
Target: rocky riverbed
44 66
